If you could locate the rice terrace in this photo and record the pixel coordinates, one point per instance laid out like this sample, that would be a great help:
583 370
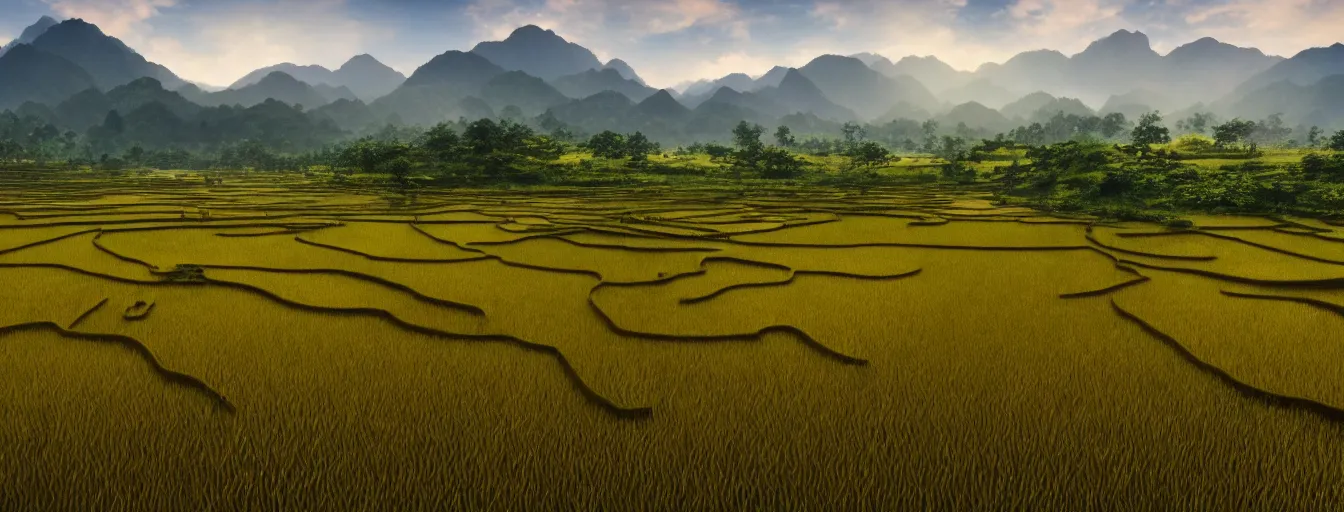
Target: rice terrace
683 255
270 342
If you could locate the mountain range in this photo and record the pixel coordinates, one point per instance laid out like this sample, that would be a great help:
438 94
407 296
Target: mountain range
75 74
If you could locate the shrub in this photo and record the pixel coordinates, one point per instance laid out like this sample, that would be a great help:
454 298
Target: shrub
1192 143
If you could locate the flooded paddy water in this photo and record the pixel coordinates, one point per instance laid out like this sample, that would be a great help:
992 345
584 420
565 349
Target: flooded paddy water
274 342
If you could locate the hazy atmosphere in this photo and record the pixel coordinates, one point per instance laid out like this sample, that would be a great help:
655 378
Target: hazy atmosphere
217 41
686 255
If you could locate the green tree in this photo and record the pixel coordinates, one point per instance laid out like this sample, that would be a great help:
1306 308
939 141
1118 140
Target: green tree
1150 131
1337 141
638 147
367 154
717 151
870 154
853 134
747 138
1314 136
951 149
780 163
1318 167
608 144
441 143
930 131
135 156
399 168
784 137
1232 132
1196 123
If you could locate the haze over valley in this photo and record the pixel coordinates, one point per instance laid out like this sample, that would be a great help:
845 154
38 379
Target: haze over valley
72 74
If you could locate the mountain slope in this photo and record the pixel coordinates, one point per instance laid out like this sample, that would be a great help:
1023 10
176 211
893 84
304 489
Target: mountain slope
31 33
333 93
1208 68
588 83
148 90
1317 104
363 75
625 70
1305 68
983 91
1116 63
771 78
30 74
740 82
1029 71
530 94
1023 108
109 61
311 74
762 107
537 52
795 93
454 69
853 85
439 90
606 110
661 105
933 73
349 115
368 78
277 86
975 115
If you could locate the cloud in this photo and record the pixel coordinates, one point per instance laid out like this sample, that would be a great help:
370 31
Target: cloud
218 46
123 19
1281 27
670 41
631 29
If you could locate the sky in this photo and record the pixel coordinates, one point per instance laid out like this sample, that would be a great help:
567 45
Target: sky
667 41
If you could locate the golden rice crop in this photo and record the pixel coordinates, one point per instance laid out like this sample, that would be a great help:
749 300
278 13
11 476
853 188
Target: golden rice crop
614 349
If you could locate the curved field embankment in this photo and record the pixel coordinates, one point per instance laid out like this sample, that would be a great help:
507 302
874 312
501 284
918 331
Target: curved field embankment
958 357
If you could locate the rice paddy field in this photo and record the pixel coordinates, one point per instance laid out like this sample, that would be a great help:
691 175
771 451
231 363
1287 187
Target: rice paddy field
274 343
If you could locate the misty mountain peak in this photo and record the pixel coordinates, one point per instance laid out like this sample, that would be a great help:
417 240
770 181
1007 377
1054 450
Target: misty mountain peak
37 29
662 96
532 31
538 52
662 104
870 59
624 69
362 59
1121 42
928 60
277 78
837 63
77 26
145 83
794 78
31 33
